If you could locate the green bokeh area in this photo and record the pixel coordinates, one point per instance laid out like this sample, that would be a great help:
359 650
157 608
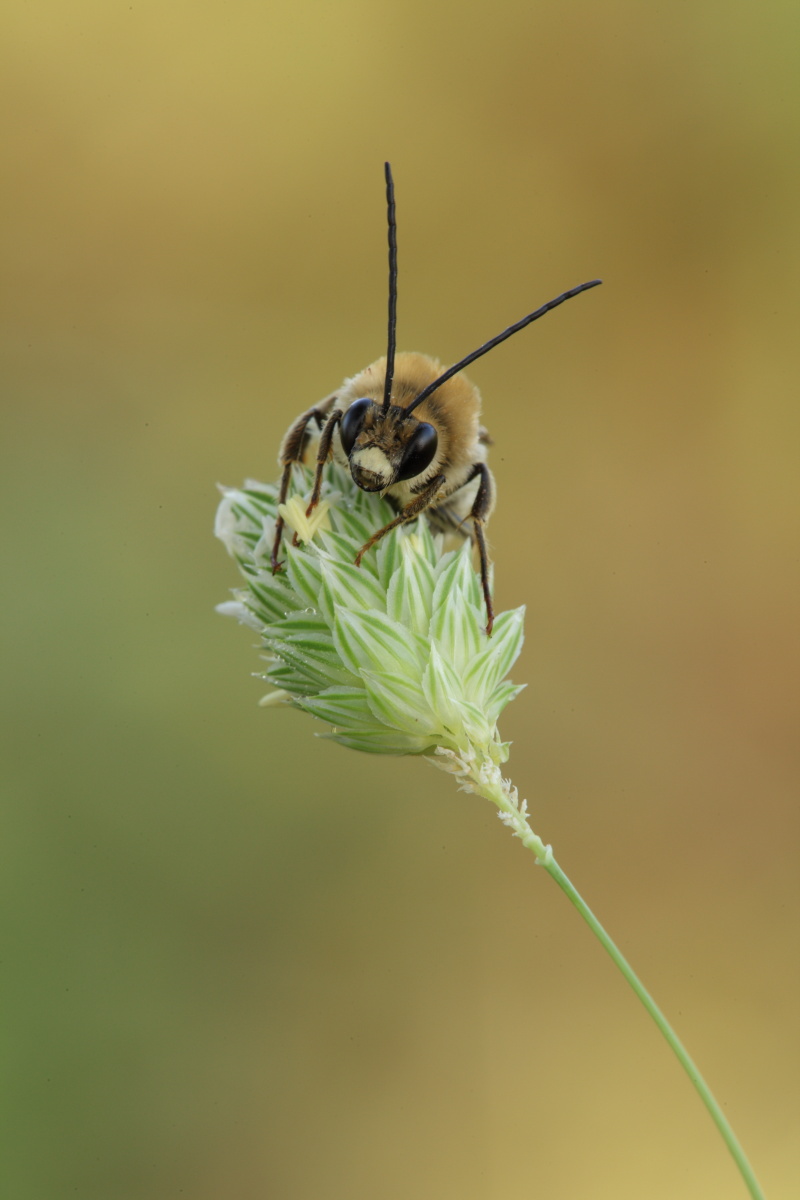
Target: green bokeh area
239 961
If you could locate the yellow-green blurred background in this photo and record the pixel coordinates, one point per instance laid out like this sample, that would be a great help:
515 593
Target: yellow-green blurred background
243 962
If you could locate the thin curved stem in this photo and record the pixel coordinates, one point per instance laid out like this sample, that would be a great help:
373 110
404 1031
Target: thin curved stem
678 1048
481 775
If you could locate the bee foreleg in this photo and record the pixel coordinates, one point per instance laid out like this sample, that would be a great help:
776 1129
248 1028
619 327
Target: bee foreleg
292 450
481 508
417 505
323 454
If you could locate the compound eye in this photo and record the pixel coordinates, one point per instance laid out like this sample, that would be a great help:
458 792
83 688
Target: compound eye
353 423
419 451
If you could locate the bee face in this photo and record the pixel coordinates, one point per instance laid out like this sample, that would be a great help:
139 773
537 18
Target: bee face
384 447
397 452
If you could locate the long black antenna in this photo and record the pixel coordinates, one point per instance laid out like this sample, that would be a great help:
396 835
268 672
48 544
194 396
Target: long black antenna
501 337
392 343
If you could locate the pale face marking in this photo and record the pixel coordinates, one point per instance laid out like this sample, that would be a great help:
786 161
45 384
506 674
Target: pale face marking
374 460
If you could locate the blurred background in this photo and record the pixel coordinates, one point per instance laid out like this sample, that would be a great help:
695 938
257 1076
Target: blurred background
243 962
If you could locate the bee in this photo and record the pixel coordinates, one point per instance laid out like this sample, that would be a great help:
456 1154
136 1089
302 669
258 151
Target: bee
410 430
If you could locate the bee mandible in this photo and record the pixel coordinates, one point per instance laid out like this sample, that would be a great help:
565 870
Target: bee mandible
410 430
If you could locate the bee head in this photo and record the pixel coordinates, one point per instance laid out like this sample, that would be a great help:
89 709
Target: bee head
384 443
384 447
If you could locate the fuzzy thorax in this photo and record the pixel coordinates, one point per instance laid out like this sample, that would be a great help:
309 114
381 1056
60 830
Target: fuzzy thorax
453 410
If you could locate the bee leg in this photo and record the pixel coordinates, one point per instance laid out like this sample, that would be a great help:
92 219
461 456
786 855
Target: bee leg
279 522
481 508
417 505
292 451
323 454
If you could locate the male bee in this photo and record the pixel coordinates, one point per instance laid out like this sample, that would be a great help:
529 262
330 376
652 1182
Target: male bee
410 430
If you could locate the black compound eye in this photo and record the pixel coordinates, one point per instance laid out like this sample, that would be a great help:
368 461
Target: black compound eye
419 451
353 423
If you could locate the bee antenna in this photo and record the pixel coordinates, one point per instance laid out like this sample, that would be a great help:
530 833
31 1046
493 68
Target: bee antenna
392 340
501 337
